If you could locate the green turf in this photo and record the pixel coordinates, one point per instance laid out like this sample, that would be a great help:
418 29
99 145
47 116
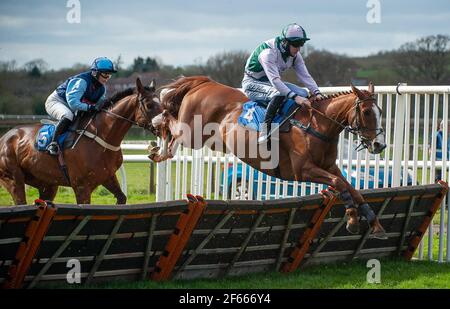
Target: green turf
395 274
138 175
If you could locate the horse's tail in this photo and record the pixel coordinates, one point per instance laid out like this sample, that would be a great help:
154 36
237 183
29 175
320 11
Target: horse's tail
172 94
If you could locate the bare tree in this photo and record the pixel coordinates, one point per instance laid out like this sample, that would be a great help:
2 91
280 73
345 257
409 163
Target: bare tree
8 66
36 64
118 62
425 61
226 67
330 69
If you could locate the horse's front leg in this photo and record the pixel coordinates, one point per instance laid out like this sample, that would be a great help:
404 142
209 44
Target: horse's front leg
161 153
48 193
173 131
351 194
314 173
113 186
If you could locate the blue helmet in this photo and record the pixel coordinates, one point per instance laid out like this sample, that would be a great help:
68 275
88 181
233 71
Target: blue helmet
103 65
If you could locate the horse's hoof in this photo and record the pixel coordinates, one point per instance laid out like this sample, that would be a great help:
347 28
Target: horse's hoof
154 150
378 231
153 144
352 228
379 235
352 221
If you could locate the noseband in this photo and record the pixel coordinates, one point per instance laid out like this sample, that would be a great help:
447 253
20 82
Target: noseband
358 129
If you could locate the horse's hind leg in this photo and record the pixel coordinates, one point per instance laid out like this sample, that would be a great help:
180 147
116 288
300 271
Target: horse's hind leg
113 186
15 186
48 193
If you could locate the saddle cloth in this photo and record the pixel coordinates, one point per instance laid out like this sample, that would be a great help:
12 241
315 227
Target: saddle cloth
252 116
65 140
44 137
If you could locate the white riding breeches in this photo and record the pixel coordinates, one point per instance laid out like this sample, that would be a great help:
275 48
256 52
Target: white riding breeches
263 91
57 108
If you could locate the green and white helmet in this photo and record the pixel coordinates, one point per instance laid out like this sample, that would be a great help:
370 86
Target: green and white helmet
293 33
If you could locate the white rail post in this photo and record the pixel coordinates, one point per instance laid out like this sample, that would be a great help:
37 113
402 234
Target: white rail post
399 127
123 176
161 171
161 181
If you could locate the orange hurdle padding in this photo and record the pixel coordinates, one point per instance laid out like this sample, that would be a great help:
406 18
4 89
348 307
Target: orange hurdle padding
308 235
34 234
179 238
415 241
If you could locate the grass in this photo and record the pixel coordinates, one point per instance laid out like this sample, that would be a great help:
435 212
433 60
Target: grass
395 274
138 175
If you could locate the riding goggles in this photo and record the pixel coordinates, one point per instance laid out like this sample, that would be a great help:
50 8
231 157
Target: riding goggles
297 43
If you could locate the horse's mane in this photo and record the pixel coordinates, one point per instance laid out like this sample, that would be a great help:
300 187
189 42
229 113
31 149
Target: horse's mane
334 95
338 94
175 92
119 95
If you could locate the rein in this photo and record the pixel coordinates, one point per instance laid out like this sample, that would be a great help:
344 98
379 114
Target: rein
105 144
353 130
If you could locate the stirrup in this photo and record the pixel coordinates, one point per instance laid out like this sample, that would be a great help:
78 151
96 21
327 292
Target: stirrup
53 148
263 138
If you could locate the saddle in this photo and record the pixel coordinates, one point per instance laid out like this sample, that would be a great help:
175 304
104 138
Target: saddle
65 140
253 113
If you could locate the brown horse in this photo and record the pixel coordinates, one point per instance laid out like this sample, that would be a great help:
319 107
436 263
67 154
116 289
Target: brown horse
89 164
304 154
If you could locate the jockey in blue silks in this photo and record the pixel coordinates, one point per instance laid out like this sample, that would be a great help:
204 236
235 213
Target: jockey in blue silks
262 77
82 92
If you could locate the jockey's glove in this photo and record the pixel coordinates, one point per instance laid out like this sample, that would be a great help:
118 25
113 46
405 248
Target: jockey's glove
319 96
300 100
92 108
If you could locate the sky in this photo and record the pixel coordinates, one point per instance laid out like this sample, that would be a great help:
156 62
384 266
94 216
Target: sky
186 32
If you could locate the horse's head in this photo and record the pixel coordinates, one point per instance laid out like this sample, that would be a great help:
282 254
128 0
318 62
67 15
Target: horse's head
366 120
149 105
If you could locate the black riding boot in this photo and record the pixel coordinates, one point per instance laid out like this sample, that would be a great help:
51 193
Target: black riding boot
61 127
272 109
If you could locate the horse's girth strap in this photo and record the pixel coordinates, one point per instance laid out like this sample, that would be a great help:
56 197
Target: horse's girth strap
99 140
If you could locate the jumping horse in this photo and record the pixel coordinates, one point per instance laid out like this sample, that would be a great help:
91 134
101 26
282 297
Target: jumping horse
95 158
304 154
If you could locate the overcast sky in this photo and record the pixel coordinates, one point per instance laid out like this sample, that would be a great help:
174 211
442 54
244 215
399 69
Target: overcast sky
182 32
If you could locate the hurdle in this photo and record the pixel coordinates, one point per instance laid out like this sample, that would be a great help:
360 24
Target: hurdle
197 238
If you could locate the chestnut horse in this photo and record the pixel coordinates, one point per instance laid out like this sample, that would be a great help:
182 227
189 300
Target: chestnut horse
89 164
302 156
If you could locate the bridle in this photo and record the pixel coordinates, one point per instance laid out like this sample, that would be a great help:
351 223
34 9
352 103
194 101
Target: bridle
142 109
355 127
358 129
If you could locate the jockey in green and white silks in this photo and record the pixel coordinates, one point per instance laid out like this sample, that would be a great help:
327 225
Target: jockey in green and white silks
262 77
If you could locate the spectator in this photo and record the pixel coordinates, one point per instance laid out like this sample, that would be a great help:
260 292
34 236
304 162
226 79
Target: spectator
440 141
439 144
